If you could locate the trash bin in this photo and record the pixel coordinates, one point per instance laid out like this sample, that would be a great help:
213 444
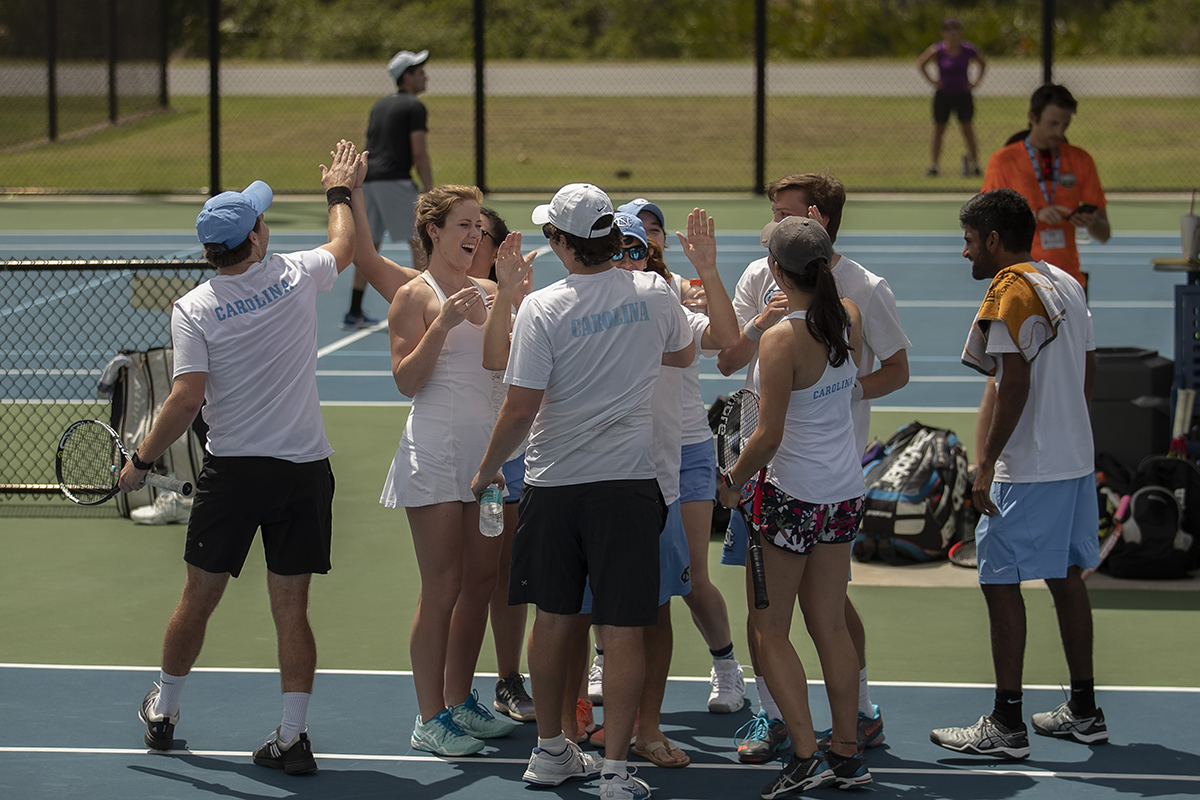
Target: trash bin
1131 403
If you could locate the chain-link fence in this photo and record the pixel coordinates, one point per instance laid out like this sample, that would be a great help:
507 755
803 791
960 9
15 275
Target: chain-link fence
678 123
61 322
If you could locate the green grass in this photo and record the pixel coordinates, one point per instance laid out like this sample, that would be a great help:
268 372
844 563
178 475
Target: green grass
539 143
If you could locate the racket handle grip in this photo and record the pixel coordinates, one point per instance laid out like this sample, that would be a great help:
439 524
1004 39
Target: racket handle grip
170 484
758 576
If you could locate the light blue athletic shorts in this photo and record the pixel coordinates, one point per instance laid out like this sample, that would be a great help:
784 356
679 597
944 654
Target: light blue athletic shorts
674 562
698 472
514 478
733 552
1042 530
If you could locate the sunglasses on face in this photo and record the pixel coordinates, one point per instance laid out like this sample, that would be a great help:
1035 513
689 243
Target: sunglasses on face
636 253
488 235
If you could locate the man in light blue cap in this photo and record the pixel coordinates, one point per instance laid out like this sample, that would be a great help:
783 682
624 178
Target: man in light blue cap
651 217
396 141
245 341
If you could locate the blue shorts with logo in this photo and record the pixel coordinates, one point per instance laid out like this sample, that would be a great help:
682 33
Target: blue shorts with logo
1042 530
514 478
674 561
698 472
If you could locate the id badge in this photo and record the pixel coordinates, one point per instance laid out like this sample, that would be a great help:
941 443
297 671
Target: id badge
1053 239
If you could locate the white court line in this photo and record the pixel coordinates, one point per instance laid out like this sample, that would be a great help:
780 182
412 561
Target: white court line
999 772
351 339
676 678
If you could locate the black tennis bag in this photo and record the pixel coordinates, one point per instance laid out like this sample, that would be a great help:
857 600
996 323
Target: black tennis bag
1161 538
915 493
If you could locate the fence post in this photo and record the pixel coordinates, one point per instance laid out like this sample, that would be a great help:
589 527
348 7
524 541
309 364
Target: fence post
1047 41
162 53
112 61
214 96
760 96
52 68
480 122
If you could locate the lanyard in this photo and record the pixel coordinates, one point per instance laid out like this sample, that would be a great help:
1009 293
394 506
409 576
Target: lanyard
1037 174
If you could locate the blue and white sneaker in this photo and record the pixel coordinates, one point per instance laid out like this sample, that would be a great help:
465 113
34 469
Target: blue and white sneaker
477 721
869 732
549 770
354 322
442 737
628 787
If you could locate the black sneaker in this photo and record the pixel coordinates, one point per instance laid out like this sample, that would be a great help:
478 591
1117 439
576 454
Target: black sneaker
295 760
761 739
512 699
160 730
800 775
849 772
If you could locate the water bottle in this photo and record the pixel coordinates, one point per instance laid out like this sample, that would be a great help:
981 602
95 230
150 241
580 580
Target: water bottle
491 511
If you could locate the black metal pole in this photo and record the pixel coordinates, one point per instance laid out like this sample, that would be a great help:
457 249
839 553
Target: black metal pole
760 96
214 96
52 68
112 61
480 119
1047 41
163 100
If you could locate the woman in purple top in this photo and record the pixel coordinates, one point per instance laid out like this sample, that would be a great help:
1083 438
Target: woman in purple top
953 83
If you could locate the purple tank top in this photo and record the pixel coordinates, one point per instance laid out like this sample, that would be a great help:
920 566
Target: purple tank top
953 69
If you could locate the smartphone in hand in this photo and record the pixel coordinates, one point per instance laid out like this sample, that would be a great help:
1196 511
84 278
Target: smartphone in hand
1084 208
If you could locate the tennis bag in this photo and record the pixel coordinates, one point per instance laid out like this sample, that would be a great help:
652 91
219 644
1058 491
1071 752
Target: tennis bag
138 393
1161 538
915 493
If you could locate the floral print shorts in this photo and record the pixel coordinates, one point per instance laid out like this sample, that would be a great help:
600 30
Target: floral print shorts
797 526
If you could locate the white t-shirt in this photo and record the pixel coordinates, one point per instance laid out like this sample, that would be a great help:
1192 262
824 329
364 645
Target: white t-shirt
695 415
255 335
594 344
882 335
1053 438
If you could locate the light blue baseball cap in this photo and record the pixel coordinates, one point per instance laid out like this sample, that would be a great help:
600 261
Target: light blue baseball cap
630 225
229 217
641 204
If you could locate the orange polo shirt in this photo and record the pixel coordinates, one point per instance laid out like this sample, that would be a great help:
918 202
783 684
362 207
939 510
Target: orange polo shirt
1010 167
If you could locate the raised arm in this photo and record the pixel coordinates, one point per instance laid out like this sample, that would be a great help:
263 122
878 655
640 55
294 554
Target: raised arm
384 274
512 270
338 180
700 247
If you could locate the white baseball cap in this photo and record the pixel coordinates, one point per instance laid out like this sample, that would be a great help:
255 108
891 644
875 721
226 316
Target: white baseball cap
403 60
579 209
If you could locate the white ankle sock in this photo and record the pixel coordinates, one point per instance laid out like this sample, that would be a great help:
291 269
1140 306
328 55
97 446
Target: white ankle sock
556 746
295 709
765 700
170 687
864 694
615 768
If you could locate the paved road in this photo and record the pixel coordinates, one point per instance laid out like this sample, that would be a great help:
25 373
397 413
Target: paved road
663 80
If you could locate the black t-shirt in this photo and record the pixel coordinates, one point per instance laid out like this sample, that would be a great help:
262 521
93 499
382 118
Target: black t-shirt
393 119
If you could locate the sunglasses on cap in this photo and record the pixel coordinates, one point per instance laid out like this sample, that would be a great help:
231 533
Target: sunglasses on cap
637 253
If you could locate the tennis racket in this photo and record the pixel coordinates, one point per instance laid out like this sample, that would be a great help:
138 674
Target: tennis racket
738 422
1111 541
89 461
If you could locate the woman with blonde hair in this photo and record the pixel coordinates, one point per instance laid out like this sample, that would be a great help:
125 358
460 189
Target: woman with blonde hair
436 327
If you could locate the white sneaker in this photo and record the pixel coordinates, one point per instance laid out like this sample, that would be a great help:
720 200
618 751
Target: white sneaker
728 687
614 787
547 770
596 681
169 507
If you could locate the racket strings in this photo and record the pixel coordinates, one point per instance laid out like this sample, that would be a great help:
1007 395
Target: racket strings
90 460
740 426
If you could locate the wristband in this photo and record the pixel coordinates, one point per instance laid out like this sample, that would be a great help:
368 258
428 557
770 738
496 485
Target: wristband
138 463
337 194
856 393
752 331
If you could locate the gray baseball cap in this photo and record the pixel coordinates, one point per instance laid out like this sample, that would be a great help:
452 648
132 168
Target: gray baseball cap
794 242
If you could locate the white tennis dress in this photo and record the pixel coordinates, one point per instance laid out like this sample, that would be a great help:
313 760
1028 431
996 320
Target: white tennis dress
449 426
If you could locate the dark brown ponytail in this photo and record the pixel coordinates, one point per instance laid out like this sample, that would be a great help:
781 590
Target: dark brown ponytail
827 319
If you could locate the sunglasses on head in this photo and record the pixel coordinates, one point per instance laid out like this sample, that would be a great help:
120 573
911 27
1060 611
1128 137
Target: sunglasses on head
636 253
548 230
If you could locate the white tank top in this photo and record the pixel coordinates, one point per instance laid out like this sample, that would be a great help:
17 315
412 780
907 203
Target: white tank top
817 461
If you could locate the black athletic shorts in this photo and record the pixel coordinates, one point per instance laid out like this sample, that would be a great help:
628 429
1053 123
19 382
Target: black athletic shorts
237 495
606 531
963 105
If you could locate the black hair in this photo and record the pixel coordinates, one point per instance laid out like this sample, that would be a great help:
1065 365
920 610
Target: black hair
1048 94
498 233
1004 211
221 256
593 252
827 319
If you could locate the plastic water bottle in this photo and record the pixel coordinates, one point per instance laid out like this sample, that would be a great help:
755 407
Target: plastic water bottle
491 511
